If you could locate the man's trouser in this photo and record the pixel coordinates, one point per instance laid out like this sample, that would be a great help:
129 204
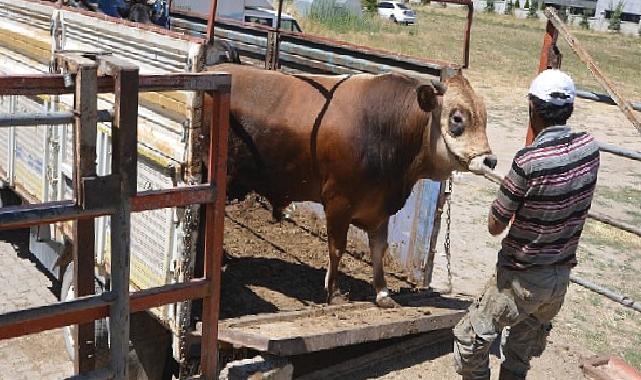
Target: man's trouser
522 302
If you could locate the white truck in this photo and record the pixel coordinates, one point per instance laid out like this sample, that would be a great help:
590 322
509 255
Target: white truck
259 12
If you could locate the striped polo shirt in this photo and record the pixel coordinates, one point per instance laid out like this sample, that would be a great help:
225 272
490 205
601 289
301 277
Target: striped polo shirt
548 191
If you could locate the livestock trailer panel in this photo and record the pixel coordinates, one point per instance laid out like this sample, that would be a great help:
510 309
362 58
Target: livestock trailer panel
39 168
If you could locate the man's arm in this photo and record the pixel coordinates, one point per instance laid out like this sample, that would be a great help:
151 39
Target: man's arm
508 200
495 226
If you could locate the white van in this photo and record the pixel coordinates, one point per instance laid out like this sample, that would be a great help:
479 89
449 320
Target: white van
251 11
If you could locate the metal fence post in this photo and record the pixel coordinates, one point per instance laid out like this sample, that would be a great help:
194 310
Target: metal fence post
214 230
85 134
124 163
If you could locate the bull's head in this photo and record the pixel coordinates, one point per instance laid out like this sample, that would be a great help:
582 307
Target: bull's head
463 120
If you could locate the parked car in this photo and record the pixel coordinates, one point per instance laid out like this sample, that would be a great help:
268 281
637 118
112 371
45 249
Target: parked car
396 11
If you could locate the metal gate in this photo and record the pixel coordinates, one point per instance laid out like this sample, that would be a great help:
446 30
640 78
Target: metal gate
116 195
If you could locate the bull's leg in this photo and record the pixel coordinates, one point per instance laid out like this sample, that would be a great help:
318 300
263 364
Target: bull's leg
378 248
338 220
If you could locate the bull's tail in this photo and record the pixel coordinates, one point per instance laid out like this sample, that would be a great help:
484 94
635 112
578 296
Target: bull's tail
224 52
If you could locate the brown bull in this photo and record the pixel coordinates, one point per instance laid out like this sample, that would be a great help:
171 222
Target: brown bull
357 144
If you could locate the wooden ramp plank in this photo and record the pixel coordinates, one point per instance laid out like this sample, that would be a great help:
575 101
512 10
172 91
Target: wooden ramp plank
322 328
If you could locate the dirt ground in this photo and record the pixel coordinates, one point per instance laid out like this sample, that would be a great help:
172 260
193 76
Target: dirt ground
271 266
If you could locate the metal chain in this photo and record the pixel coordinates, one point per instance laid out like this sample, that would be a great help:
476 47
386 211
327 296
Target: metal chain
446 243
185 310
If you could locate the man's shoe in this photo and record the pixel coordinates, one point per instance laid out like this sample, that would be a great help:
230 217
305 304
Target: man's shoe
506 374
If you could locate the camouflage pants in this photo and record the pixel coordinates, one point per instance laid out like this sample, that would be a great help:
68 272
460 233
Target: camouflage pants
521 302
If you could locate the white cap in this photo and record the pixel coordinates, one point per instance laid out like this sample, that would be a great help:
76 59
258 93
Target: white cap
553 86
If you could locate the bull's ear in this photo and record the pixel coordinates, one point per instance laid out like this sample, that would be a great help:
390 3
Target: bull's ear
426 96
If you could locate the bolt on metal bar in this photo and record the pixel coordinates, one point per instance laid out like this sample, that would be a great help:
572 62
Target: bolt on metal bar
47 118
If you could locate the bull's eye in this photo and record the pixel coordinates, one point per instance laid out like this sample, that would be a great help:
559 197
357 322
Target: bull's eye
456 123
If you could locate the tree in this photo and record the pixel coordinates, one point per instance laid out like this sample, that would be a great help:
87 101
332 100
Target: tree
531 11
489 6
585 24
517 5
615 16
527 4
509 8
542 5
370 5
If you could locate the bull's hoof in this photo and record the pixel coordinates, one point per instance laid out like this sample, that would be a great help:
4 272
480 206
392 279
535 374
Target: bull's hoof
337 298
386 302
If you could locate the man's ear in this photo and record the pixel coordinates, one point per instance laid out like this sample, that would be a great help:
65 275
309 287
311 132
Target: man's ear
426 96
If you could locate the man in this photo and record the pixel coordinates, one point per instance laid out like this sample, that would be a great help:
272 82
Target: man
547 195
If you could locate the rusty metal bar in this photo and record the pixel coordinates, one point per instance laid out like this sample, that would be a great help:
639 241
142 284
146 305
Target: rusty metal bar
574 44
37 319
86 309
124 162
182 196
85 135
214 231
211 21
46 118
54 84
167 294
546 60
15 217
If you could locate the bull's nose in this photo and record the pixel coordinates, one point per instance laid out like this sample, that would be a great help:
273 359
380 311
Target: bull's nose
490 161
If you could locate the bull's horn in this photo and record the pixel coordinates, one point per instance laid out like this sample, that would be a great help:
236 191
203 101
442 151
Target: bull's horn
439 86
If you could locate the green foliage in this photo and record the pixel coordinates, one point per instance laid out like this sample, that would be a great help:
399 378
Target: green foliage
531 11
563 14
489 6
517 5
615 16
527 4
509 8
341 19
370 5
542 4
585 24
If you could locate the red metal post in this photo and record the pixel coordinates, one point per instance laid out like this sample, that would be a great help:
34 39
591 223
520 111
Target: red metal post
211 21
214 230
124 162
85 132
546 61
468 32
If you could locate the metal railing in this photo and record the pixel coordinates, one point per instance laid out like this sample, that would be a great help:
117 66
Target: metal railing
117 195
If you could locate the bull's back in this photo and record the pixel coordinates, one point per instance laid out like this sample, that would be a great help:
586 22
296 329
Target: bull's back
273 124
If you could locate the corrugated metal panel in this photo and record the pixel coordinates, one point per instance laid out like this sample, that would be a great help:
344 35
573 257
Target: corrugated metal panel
4 139
150 235
30 160
410 229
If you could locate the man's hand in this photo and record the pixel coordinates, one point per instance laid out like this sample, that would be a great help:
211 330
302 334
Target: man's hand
494 226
